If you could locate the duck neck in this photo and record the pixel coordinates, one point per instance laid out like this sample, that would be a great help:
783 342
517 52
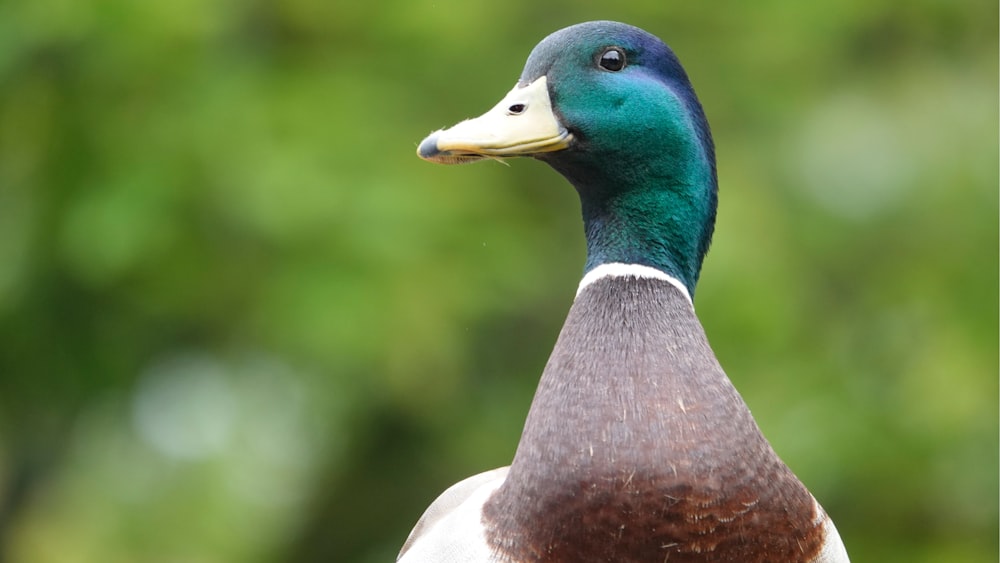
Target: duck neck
665 226
657 217
642 228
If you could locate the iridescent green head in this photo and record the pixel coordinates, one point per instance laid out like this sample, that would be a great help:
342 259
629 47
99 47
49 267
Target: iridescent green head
610 107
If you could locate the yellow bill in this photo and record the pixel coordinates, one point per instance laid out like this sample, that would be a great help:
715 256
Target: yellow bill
522 124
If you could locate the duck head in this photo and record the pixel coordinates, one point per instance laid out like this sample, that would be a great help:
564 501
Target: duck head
608 106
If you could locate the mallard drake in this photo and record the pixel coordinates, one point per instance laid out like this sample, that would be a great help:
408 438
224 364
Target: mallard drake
637 447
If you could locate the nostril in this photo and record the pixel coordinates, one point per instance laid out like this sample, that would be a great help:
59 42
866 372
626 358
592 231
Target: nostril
516 109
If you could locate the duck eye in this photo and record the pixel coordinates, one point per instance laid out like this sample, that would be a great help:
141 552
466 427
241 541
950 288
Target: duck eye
612 59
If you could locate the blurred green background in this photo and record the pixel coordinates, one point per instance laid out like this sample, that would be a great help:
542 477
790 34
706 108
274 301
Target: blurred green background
240 321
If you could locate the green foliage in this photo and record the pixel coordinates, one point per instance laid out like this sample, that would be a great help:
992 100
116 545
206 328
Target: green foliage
241 321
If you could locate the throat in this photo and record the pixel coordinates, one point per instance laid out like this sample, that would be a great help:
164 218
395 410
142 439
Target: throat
655 206
663 229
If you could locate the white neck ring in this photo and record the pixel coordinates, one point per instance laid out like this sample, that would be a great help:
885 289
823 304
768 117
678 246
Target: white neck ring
619 270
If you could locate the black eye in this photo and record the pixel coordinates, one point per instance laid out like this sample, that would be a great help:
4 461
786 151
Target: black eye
613 59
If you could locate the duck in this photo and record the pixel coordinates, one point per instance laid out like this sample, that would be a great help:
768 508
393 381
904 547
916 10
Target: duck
636 447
